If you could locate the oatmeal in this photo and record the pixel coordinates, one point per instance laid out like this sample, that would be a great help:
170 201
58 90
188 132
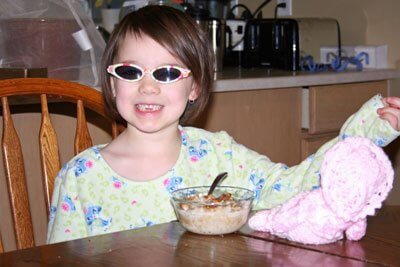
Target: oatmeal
212 215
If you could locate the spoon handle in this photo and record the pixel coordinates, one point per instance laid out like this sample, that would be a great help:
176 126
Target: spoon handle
218 179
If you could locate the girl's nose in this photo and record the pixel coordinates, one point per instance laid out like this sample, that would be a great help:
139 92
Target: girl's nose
148 86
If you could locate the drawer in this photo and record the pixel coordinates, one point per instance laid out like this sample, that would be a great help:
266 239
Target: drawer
311 143
329 106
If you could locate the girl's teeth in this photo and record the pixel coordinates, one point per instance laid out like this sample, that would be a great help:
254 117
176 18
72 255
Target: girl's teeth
148 107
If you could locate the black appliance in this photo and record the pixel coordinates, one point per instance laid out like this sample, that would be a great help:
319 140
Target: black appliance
271 43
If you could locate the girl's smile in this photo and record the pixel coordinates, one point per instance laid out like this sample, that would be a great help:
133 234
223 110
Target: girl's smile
148 107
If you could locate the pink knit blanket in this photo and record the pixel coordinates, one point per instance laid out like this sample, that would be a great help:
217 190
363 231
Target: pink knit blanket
356 177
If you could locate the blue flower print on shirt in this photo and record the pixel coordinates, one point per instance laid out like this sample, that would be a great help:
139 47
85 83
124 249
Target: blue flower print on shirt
196 154
228 154
344 136
68 204
277 186
63 170
171 184
81 165
147 222
258 183
94 218
183 137
52 214
380 141
96 151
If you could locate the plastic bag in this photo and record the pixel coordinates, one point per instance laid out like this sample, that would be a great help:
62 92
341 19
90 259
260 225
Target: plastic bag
54 34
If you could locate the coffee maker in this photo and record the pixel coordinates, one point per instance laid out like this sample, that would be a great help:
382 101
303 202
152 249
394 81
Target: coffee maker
215 28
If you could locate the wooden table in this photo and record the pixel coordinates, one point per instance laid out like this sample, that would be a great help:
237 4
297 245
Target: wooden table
169 245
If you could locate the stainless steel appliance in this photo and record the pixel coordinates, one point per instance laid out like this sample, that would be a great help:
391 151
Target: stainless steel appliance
216 35
215 28
281 43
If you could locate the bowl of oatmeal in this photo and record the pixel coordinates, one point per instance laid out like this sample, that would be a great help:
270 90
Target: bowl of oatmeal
223 212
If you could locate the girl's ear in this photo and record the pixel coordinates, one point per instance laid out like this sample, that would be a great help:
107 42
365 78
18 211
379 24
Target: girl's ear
195 92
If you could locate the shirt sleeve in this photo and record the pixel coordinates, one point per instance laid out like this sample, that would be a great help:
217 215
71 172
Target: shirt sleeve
367 123
275 183
67 219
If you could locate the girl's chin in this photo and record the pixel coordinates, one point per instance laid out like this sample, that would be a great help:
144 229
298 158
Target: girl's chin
155 127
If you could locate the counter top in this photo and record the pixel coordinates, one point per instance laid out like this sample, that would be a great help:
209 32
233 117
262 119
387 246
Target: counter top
237 79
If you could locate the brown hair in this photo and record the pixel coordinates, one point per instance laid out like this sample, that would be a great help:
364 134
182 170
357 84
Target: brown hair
180 35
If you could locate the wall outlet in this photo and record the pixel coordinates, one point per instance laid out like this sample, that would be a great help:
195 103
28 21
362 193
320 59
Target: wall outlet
287 11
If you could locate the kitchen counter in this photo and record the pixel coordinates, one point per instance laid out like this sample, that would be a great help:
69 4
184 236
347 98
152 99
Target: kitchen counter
238 79
297 111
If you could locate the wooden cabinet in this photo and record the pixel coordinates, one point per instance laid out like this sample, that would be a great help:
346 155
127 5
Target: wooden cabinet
330 106
267 121
310 143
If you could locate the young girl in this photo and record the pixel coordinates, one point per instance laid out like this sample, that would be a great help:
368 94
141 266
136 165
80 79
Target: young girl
157 72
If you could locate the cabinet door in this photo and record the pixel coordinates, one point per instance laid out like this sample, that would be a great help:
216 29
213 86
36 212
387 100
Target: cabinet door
267 121
311 143
331 105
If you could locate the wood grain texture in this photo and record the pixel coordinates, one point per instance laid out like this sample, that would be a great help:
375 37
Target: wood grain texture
267 121
82 135
45 89
331 105
49 152
311 143
170 245
15 175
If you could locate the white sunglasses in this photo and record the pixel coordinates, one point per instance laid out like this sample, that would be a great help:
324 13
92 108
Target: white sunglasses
162 74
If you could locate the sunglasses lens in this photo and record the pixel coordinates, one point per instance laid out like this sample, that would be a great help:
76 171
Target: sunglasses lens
128 72
167 74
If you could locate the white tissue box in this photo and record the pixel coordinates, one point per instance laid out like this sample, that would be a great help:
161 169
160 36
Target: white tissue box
377 55
347 51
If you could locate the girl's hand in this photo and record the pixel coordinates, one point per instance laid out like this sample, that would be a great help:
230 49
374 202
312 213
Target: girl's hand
391 111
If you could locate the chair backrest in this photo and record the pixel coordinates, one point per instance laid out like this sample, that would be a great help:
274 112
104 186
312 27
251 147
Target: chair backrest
44 89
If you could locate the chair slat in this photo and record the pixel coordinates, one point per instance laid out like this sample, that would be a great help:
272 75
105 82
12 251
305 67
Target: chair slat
15 175
49 152
1 246
82 135
47 89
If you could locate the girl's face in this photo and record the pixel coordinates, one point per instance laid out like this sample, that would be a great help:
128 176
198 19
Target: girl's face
147 105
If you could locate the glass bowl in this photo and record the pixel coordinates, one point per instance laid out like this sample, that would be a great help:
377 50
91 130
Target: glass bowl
226 211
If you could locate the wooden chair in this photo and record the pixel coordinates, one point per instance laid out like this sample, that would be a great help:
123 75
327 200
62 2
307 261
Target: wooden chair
44 89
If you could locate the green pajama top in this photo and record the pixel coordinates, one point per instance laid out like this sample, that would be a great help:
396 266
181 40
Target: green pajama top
90 198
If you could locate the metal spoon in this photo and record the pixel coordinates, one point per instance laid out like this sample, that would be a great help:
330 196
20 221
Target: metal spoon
217 180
